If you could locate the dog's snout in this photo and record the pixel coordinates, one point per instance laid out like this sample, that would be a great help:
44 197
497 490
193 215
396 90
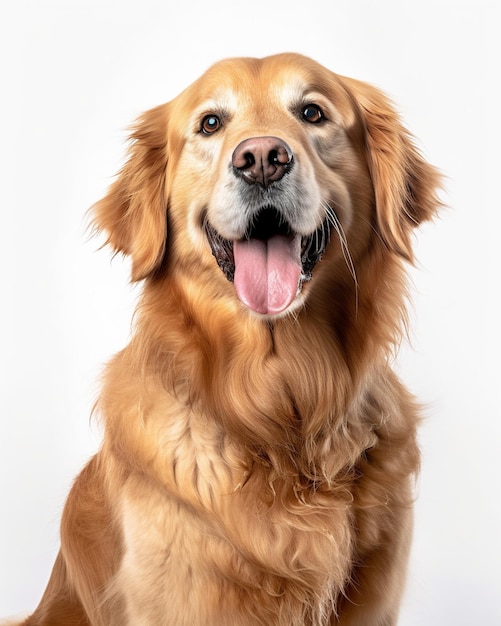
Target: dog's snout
262 160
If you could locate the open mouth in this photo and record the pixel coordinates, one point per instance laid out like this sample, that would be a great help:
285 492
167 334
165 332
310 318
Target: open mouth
271 263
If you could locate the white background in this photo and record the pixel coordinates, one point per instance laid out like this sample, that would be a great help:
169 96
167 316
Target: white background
73 77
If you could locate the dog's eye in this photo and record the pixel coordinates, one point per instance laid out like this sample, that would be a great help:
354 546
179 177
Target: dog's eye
312 113
210 124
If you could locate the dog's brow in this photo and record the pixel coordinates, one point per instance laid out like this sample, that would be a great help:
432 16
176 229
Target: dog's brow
296 91
222 99
289 90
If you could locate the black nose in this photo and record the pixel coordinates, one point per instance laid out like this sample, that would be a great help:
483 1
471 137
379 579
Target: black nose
262 160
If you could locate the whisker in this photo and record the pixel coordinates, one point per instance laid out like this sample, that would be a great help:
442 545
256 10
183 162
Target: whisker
334 221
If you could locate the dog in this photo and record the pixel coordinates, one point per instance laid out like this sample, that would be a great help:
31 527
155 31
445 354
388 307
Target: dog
258 453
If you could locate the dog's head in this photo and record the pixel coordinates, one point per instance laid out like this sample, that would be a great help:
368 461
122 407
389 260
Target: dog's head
264 166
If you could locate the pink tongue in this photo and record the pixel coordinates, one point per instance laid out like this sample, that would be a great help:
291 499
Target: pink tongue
267 272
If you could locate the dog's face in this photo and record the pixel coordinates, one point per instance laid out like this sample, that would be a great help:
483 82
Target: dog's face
274 153
264 166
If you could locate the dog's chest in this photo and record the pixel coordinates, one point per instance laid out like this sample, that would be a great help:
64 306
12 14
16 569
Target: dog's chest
179 561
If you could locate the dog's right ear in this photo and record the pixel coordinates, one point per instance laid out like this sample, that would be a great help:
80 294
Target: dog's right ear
133 213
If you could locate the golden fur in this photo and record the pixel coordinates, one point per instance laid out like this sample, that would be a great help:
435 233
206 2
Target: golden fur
256 469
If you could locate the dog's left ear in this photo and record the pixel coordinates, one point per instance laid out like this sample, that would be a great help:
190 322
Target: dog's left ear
405 185
133 213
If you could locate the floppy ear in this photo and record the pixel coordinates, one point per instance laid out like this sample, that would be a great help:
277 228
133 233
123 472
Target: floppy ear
405 185
133 213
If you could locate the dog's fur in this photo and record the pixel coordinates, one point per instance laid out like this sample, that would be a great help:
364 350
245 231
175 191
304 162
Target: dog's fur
256 467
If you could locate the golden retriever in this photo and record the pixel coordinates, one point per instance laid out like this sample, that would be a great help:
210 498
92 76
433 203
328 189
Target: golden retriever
258 455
